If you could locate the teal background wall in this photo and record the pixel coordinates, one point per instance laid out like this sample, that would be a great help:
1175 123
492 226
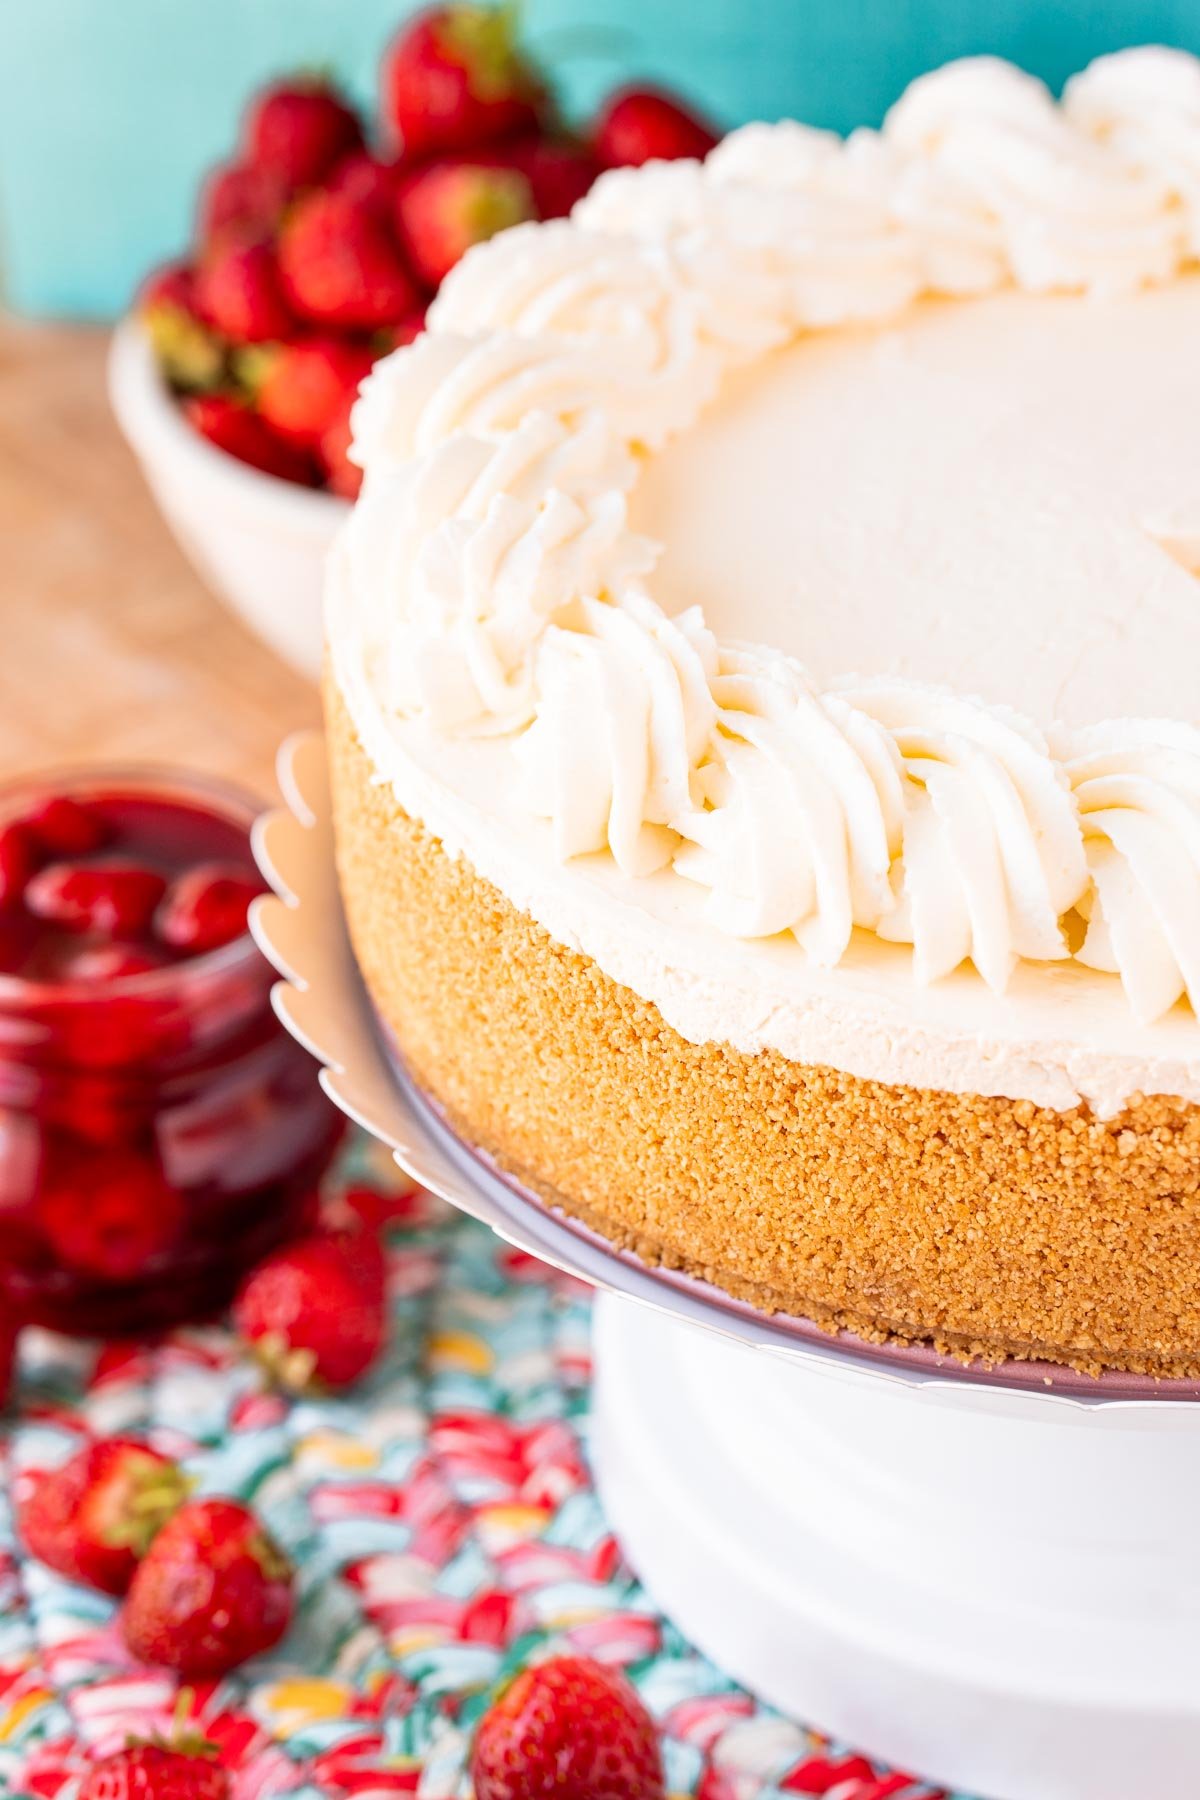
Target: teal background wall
111 109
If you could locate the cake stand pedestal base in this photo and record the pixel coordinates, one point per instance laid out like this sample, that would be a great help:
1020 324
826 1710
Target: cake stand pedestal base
1000 1593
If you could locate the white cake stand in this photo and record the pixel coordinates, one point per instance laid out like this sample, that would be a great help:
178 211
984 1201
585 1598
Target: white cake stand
991 1576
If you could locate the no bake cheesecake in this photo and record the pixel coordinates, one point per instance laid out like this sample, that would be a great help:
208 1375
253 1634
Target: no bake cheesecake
764 707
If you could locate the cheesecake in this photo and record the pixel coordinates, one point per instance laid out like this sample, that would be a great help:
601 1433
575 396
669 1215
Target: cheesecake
763 697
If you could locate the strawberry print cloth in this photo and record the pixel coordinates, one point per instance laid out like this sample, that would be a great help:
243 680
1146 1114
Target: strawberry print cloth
444 1528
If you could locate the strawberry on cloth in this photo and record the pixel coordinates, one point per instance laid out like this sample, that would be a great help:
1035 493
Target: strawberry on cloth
185 1769
93 1518
213 1590
567 1729
315 1313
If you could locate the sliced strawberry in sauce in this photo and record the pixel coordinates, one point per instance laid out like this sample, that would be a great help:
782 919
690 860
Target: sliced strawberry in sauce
206 907
117 898
20 1165
65 827
157 1134
119 1028
8 1354
111 1216
102 963
19 861
102 1110
18 942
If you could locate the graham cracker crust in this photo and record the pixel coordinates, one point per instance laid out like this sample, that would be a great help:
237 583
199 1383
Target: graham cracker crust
988 1227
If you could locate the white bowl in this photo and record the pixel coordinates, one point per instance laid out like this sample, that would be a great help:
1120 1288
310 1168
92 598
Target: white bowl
259 542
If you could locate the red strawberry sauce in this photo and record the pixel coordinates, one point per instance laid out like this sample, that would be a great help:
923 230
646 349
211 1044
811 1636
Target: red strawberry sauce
159 1130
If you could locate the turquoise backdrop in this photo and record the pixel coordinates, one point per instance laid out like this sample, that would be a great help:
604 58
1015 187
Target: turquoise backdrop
111 109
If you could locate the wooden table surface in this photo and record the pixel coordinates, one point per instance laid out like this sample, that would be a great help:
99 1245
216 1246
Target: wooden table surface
111 648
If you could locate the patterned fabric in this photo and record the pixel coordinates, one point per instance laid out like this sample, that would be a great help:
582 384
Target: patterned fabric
445 1531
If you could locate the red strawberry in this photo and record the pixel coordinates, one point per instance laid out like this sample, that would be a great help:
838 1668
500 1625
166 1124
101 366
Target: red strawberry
364 1254
340 267
374 1209
396 337
19 860
640 125
341 475
315 1313
232 427
567 1729
455 79
110 1217
301 388
238 290
65 827
116 897
365 179
96 1516
213 1590
559 173
206 907
299 129
444 209
172 284
157 1772
186 350
239 200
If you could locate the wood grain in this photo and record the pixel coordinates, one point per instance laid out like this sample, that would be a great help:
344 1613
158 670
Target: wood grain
111 648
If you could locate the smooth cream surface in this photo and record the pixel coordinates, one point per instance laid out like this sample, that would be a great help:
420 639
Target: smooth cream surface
979 495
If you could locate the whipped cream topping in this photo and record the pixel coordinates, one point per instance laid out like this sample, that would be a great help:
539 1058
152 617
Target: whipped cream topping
491 585
995 161
1137 786
1145 104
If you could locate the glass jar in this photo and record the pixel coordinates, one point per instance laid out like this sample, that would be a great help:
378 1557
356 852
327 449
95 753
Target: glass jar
159 1129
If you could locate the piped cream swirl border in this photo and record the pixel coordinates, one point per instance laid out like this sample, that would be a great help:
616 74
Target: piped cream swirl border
493 573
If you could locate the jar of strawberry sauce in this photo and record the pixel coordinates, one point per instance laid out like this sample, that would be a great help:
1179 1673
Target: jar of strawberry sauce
159 1130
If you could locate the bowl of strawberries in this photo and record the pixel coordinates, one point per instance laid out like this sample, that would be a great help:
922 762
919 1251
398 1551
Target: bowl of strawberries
317 248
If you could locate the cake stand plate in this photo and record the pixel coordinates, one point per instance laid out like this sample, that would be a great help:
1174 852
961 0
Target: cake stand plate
990 1574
